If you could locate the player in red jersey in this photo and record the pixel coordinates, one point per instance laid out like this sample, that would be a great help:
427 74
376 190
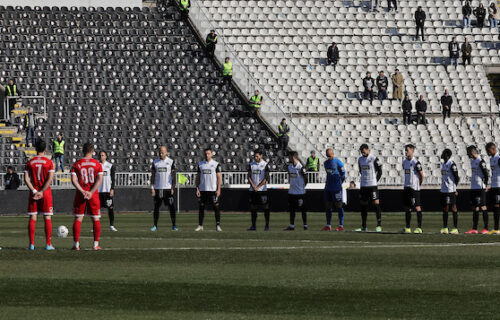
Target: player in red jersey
38 175
86 176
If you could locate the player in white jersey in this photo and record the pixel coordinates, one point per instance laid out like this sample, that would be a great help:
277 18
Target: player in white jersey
414 176
258 176
478 184
208 184
297 177
494 192
371 172
163 180
107 188
449 182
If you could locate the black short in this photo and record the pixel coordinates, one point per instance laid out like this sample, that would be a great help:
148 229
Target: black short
296 201
477 197
208 197
259 198
164 196
106 200
448 198
367 194
411 197
494 196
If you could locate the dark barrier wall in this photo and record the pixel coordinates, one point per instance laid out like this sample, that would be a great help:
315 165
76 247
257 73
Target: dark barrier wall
231 200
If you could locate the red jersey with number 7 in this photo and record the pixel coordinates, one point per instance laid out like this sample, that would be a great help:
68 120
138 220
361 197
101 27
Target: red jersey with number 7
87 170
38 169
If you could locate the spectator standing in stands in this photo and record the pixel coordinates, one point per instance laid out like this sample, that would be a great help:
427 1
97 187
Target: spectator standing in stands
453 48
368 84
29 124
283 134
466 51
394 3
493 15
420 21
421 107
256 102
227 71
11 90
211 42
406 110
333 55
12 181
466 12
382 83
398 83
480 13
374 5
446 101
184 6
59 152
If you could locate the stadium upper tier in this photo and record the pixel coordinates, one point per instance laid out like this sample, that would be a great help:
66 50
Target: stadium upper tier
284 44
129 80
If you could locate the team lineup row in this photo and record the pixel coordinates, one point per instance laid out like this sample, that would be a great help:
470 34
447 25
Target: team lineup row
94 184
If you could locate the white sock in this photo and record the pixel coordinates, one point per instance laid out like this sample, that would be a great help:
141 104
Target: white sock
292 226
77 244
96 243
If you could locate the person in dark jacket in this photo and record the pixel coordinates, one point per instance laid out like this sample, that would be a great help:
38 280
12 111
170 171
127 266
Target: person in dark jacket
420 21
12 181
210 43
382 84
480 13
446 101
466 51
466 12
333 55
406 110
394 3
421 107
453 47
368 84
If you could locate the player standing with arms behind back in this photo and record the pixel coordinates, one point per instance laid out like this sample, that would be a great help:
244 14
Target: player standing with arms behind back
208 184
414 176
371 172
163 179
38 175
494 193
86 176
297 177
107 188
478 184
258 176
449 182
335 176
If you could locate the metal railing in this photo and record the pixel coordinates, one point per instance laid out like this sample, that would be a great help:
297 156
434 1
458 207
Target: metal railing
6 108
270 110
229 180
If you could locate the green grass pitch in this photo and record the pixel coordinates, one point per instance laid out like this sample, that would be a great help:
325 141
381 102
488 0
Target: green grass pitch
250 275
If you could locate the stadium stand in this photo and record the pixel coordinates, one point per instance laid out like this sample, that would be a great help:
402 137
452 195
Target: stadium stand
128 79
284 45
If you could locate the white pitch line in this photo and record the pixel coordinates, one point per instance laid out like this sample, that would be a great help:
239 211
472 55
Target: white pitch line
429 245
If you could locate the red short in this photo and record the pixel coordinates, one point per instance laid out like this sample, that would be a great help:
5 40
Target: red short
42 206
92 206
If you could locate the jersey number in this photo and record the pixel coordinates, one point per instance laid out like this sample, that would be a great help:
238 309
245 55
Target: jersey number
39 172
87 175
